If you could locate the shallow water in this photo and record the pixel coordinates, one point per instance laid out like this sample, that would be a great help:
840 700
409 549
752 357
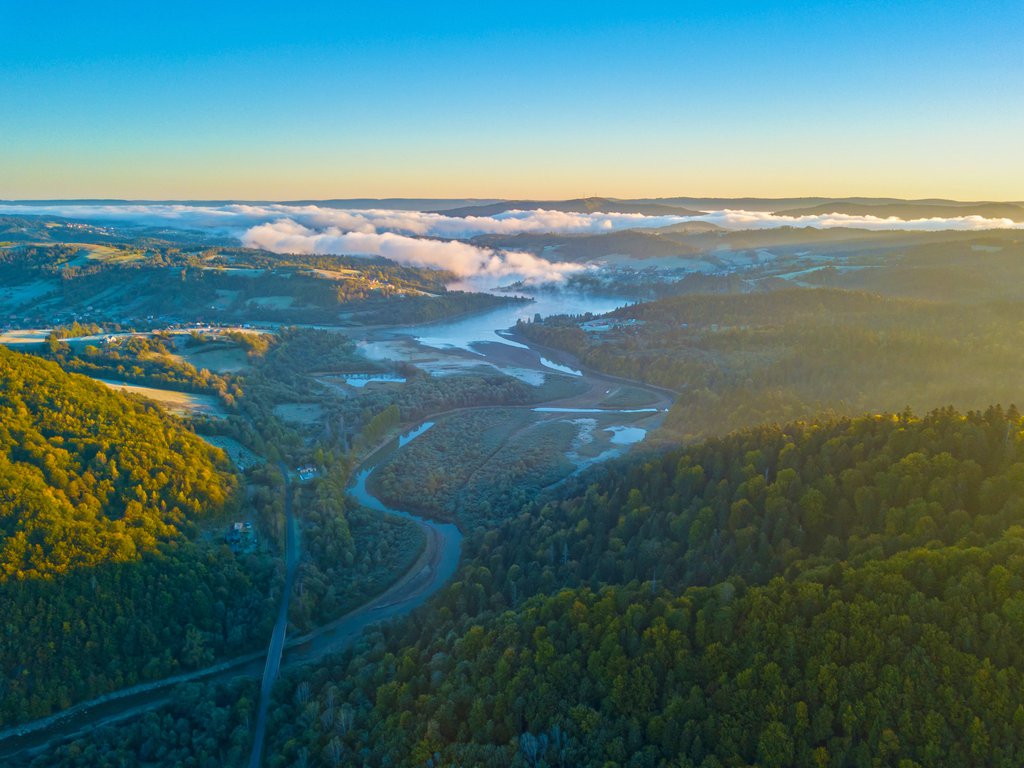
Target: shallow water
360 382
552 409
450 535
558 367
626 435
463 332
408 437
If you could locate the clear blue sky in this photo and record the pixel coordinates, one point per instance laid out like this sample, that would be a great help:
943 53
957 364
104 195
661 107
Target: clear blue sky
286 100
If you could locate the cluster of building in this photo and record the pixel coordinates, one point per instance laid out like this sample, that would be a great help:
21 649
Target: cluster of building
242 538
603 324
306 472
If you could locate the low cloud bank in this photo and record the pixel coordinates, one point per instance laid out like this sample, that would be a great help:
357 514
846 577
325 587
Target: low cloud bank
409 237
463 259
740 220
236 216
435 240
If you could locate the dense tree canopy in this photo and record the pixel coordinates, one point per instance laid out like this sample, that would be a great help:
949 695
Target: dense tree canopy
104 581
834 593
776 356
92 477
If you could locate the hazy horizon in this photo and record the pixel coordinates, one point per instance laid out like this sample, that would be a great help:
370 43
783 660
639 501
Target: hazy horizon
483 199
512 385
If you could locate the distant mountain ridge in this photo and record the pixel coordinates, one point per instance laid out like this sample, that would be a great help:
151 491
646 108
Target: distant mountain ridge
796 206
882 207
577 205
912 210
788 204
388 203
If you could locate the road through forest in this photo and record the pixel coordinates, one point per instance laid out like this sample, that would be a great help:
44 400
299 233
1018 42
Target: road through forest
434 567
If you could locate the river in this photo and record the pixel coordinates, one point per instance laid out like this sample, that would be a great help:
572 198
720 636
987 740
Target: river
464 332
434 569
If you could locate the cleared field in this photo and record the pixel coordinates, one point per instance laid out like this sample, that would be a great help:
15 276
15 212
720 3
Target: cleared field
96 252
16 295
628 397
225 298
17 337
336 274
300 413
223 360
240 456
181 403
242 271
272 302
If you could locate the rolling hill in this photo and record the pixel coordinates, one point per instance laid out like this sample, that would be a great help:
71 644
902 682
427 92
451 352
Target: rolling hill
104 581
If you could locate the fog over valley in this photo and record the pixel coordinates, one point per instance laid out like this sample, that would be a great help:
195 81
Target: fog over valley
547 385
439 240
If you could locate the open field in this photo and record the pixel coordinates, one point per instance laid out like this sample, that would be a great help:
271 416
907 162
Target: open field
272 302
628 397
299 413
24 336
225 298
336 274
99 252
240 456
180 403
14 296
218 360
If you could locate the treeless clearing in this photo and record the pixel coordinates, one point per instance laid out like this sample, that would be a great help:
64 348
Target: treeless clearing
218 360
180 403
240 456
301 413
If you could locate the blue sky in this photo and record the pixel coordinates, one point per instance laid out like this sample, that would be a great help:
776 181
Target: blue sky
260 100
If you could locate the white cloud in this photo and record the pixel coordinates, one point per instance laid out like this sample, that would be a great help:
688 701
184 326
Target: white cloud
435 240
407 237
740 220
238 216
464 259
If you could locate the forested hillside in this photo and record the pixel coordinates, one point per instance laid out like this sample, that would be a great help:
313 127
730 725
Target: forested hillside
53 270
837 593
103 582
747 359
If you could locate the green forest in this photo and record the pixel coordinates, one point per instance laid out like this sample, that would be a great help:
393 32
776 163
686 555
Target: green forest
744 359
351 553
104 578
116 276
800 570
831 593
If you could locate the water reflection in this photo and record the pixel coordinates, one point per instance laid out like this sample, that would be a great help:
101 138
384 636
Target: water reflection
464 332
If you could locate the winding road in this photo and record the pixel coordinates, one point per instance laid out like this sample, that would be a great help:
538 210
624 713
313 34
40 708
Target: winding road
435 566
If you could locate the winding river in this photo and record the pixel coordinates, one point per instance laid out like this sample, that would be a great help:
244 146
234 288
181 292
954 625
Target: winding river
465 332
433 569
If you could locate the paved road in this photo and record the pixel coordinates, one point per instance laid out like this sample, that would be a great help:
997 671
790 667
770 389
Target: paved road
432 570
273 666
